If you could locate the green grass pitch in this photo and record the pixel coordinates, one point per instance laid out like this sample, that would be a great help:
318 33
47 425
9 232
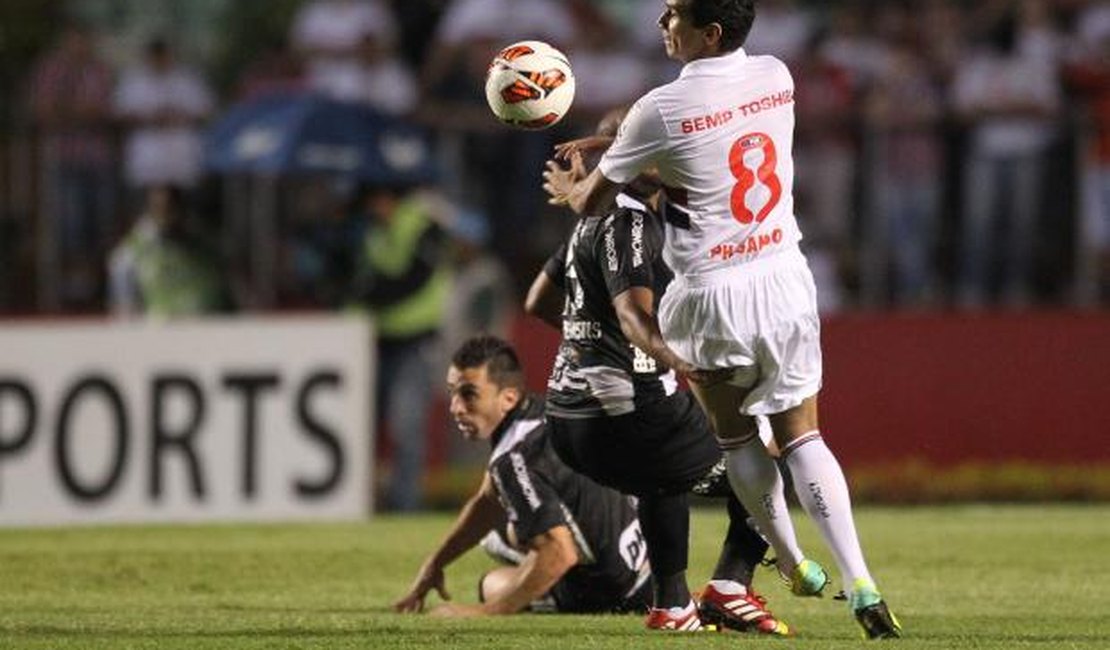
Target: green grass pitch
959 577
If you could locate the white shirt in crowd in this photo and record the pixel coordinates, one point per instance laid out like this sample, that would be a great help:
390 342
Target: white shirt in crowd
163 154
989 81
506 20
331 32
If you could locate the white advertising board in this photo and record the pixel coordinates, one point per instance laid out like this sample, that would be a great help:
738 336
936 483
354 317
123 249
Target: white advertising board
246 419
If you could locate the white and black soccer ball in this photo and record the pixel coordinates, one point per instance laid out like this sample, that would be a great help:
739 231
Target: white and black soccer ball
530 85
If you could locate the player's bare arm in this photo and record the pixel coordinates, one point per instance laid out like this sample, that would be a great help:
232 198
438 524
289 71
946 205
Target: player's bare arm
545 300
551 555
640 327
581 192
481 514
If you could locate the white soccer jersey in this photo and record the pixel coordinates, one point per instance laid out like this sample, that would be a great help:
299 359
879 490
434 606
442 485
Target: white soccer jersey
721 136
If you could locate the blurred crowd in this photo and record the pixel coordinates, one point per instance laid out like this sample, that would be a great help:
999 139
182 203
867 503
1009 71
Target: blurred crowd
949 153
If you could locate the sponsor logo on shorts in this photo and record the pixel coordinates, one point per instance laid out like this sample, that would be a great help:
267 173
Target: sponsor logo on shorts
632 546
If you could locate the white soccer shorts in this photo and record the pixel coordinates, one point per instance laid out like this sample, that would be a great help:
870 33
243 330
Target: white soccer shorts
760 318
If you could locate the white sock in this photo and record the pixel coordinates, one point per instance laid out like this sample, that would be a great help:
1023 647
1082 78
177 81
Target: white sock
729 587
823 493
758 485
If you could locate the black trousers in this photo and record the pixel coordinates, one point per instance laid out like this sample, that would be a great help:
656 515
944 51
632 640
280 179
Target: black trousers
662 448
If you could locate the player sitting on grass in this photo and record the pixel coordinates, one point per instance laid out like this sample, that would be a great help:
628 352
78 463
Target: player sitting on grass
581 545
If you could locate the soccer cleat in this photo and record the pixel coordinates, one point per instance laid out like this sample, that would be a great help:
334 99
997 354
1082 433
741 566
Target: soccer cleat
743 612
807 579
678 619
874 617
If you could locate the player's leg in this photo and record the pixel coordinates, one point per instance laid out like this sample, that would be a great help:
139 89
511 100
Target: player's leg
665 521
743 548
495 584
496 545
751 471
618 452
729 600
823 492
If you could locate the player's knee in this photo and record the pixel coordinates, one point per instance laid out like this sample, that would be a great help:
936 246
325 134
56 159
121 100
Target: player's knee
495 583
742 430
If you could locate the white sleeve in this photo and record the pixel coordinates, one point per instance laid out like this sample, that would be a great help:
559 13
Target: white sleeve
640 142
126 97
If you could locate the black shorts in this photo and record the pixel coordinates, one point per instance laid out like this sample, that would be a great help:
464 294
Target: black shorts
571 597
665 447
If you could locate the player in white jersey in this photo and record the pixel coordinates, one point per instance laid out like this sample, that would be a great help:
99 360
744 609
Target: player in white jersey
720 138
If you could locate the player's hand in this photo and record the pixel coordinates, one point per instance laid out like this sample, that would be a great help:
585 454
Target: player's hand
451 610
559 181
700 376
430 577
565 150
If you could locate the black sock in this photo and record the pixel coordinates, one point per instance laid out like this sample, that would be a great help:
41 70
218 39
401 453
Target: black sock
665 521
743 548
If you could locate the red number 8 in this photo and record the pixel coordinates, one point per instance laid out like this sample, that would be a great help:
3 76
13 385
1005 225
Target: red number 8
745 178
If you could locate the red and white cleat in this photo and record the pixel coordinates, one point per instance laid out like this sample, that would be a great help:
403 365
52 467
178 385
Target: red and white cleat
678 619
744 611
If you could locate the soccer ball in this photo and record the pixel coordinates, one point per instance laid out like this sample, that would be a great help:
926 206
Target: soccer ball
530 85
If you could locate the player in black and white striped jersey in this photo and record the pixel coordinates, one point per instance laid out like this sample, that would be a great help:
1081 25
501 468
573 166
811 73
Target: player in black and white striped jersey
575 546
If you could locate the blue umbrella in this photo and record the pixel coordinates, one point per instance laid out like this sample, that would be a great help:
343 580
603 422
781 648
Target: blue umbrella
309 134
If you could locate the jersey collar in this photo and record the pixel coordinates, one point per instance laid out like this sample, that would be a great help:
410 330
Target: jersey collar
713 64
527 408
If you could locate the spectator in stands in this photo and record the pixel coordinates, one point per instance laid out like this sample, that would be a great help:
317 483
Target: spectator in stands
1088 76
782 29
163 104
165 267
1010 100
904 108
944 29
491 166
404 279
482 300
277 70
70 101
379 79
825 155
853 42
493 24
331 35
606 72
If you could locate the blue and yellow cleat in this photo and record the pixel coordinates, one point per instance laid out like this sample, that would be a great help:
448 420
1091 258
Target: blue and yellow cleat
807 579
874 617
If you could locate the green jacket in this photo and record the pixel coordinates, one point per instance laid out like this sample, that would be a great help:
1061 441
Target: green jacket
405 277
173 278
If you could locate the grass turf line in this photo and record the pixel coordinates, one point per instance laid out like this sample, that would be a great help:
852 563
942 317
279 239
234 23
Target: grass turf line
958 576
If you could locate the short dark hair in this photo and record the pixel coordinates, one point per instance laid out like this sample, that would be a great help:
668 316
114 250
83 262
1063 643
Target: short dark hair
499 358
734 16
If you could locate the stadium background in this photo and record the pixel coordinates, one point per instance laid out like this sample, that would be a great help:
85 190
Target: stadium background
933 392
